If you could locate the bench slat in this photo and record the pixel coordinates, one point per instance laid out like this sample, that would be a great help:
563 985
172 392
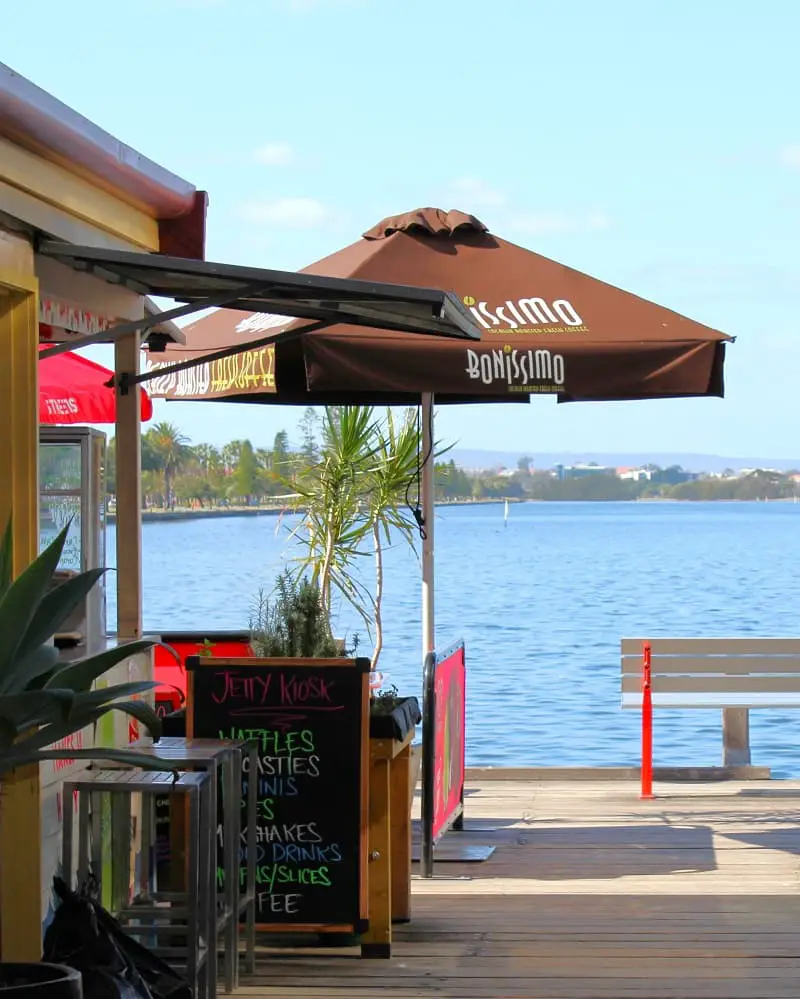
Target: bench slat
712 646
632 665
787 701
715 684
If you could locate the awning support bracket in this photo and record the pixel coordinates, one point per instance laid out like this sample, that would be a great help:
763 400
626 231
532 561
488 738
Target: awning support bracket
127 379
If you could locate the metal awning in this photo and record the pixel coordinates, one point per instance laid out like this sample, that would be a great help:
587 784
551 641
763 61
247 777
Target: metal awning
203 284
165 331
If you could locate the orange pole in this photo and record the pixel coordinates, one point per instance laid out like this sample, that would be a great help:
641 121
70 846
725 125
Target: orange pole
647 725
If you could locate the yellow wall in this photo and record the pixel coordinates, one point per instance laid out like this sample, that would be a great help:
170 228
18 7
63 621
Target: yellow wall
49 198
20 824
60 191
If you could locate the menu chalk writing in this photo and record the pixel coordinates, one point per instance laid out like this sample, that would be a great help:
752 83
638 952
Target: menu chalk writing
309 718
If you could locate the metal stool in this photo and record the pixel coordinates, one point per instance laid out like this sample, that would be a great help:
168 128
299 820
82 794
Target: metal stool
152 915
224 757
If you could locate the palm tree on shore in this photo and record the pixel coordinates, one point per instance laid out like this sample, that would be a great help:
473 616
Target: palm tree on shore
170 450
208 457
230 454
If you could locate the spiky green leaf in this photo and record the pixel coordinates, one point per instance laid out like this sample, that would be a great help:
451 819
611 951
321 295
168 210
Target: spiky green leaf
20 603
6 558
141 711
36 707
105 695
128 757
56 607
8 735
79 719
33 672
79 676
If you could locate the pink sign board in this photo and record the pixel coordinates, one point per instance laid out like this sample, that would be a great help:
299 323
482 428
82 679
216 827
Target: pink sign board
449 739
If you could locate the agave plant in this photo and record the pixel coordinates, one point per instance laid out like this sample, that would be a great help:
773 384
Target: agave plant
44 700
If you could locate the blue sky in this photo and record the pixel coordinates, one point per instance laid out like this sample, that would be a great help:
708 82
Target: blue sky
654 145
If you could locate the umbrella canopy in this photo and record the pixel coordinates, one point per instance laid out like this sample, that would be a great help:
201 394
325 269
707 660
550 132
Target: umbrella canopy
73 389
546 329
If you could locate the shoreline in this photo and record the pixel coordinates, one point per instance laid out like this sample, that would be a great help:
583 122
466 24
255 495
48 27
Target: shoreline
270 510
275 510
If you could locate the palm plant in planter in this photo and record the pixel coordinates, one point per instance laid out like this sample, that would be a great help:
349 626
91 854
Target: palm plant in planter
355 506
44 700
331 495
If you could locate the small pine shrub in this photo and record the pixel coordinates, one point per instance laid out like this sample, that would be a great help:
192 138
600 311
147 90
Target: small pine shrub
291 622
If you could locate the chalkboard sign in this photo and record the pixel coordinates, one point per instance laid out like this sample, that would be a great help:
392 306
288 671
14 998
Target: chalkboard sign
311 719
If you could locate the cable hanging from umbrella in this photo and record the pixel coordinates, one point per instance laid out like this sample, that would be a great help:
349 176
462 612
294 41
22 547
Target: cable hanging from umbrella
416 510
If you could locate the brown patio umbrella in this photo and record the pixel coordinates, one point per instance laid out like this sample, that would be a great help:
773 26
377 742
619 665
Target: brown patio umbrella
547 329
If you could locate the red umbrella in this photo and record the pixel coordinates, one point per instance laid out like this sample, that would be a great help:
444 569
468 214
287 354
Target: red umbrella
73 389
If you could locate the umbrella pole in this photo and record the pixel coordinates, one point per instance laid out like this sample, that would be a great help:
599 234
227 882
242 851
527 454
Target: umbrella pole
428 636
429 459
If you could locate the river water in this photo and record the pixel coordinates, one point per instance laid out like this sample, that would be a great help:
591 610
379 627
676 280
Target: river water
541 604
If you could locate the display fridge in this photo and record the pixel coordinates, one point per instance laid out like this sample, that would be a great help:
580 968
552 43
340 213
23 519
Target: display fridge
72 489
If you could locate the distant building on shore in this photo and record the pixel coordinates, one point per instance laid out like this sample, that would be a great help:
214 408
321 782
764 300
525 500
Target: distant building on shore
581 470
635 474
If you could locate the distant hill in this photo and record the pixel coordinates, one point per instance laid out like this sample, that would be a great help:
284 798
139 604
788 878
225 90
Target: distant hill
475 458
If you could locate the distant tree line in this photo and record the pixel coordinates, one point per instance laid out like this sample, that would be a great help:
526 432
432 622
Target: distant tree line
176 472
454 483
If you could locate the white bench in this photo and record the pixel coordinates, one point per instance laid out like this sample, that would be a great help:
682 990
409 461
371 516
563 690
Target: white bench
734 674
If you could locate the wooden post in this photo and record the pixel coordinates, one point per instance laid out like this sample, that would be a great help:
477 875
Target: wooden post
129 494
377 941
128 434
401 797
735 737
20 818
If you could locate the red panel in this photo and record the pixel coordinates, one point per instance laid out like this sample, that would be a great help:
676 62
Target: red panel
449 740
170 675
185 235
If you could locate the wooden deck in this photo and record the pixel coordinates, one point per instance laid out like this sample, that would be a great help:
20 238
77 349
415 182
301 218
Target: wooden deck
591 893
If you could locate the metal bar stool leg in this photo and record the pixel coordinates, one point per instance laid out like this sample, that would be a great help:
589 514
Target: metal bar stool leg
236 825
252 847
208 871
119 813
67 834
232 814
193 924
148 869
96 802
83 835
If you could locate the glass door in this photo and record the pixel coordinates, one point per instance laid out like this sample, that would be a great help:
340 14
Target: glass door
61 500
72 494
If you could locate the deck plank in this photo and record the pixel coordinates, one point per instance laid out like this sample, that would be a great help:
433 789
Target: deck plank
590 894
